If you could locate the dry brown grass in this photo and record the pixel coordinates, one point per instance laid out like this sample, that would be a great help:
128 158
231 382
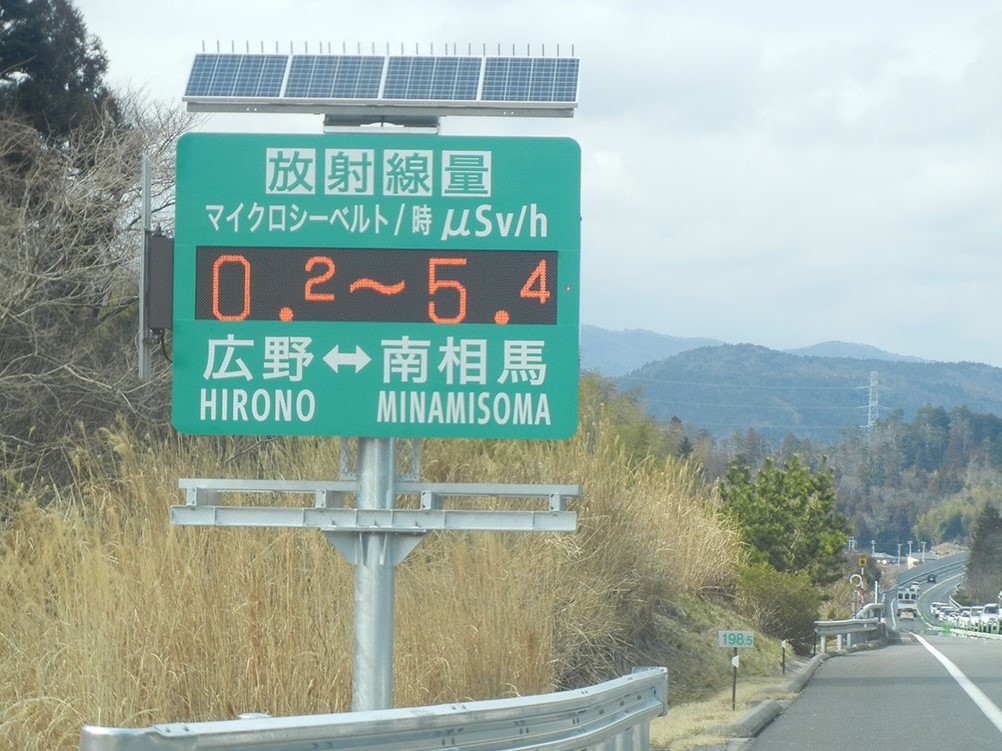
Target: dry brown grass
687 725
110 616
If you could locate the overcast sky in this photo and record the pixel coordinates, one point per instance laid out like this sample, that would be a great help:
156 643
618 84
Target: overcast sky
780 172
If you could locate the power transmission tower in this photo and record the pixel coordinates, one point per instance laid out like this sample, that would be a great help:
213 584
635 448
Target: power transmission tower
873 407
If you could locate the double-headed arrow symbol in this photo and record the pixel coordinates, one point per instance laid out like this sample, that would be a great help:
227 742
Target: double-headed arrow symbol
336 359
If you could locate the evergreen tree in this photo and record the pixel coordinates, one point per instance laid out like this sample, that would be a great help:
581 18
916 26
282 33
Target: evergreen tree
984 567
787 516
51 69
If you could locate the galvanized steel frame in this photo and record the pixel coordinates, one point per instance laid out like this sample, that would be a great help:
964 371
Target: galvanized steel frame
329 514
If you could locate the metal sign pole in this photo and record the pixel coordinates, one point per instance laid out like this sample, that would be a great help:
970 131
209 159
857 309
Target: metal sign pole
145 358
734 680
372 662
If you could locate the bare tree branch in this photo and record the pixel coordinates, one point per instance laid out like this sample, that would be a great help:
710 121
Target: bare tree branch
70 239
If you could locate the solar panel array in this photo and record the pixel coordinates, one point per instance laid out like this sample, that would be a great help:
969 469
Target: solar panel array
383 78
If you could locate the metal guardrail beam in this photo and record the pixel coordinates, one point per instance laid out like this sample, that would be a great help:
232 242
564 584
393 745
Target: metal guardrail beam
845 628
614 715
848 626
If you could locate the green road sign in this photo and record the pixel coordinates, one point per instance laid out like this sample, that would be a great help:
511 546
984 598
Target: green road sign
376 285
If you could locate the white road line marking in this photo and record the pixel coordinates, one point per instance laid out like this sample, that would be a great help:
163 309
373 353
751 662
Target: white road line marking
986 705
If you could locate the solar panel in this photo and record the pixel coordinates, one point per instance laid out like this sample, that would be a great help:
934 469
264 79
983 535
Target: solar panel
223 75
435 78
335 77
565 79
530 79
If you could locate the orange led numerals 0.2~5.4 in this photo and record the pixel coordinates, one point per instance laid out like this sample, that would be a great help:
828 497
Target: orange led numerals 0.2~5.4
346 284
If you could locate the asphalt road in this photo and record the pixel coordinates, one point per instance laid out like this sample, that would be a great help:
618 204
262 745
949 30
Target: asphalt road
929 692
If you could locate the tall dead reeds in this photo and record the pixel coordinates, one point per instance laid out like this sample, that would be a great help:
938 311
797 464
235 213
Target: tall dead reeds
109 615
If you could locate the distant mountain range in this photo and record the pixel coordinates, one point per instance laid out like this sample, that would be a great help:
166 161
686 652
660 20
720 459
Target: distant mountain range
852 351
815 392
616 353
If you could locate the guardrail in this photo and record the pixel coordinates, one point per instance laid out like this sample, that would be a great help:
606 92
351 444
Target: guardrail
982 629
992 629
846 629
611 716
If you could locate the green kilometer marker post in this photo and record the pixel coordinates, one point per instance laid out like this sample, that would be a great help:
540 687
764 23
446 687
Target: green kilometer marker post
735 640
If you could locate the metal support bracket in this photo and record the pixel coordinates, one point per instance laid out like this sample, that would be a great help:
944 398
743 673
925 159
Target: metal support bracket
330 515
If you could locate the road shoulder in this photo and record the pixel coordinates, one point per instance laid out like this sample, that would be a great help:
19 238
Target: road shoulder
733 735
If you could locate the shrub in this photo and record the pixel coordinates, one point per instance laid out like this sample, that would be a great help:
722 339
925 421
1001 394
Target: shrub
784 605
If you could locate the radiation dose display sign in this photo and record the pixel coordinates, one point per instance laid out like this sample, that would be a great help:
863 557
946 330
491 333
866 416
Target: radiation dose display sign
383 285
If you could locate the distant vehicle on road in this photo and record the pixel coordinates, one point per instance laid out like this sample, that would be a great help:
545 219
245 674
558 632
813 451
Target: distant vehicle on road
906 601
931 578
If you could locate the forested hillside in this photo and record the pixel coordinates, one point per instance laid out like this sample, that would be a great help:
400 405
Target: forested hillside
921 479
924 478
931 461
736 387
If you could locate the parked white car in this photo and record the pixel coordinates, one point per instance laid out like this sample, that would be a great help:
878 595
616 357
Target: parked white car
964 618
970 617
990 615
